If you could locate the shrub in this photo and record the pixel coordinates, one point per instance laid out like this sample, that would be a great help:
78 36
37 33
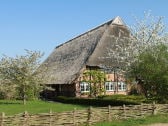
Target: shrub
94 101
131 98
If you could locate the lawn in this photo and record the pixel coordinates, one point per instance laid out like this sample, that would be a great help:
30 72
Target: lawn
10 107
38 106
137 122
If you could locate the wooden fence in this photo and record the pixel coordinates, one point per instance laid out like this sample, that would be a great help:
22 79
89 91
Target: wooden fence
83 117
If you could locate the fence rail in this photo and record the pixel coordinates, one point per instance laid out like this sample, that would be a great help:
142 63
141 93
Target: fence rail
80 117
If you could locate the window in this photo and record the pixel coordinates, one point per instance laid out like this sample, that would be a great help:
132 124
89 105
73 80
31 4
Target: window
121 86
84 87
109 86
112 86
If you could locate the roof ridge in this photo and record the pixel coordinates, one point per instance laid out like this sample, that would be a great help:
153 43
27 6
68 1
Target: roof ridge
106 23
115 21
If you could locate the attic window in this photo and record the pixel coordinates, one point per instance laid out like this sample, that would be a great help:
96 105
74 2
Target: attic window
84 87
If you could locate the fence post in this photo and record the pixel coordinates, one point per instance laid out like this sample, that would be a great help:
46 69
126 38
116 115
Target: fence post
74 115
89 115
2 118
141 109
109 116
50 117
124 110
25 115
154 112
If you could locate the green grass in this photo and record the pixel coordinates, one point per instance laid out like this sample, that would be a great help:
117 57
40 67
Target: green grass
15 107
137 122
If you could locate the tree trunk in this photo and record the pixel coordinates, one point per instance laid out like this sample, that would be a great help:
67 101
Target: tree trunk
24 95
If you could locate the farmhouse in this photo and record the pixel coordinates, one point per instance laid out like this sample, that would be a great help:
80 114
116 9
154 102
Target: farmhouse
88 51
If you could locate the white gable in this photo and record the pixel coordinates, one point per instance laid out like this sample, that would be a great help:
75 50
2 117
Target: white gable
118 21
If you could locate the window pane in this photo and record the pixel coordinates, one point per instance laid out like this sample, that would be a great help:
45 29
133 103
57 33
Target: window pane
87 87
109 86
124 86
121 86
84 87
112 86
81 87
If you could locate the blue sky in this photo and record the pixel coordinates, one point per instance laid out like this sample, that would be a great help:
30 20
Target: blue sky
44 24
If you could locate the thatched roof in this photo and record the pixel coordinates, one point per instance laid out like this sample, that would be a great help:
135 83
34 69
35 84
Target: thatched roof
67 60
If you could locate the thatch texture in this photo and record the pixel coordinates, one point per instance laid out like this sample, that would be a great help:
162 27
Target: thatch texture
100 57
67 60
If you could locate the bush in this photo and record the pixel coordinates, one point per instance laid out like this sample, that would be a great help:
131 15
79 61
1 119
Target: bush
2 95
94 101
131 98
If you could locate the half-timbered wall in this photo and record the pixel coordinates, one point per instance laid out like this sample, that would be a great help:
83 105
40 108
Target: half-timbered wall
115 84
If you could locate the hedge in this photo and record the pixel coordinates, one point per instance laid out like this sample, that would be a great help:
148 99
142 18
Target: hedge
94 101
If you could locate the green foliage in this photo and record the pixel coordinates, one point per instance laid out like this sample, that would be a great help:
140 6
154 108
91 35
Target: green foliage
149 62
95 101
151 70
96 80
19 76
7 91
131 98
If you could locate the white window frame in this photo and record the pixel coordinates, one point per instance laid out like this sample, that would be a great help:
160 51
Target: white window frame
122 86
85 86
110 85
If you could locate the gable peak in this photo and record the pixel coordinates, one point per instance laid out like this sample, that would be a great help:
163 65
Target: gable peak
118 21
